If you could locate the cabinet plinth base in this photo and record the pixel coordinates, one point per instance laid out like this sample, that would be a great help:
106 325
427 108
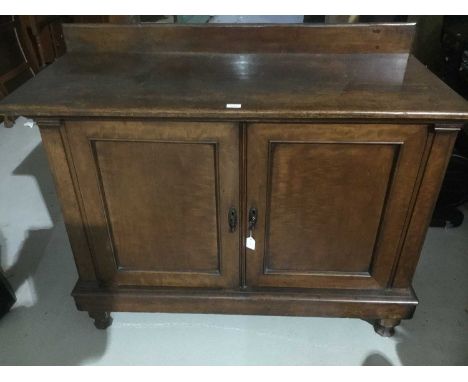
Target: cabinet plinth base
366 304
102 320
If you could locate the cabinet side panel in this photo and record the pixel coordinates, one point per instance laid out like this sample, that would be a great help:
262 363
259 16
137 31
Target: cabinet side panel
54 145
427 197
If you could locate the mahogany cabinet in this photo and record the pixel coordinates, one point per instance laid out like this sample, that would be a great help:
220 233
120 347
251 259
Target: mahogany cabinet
244 169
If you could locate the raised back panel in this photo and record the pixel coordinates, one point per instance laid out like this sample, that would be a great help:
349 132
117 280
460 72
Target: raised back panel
325 205
152 222
219 38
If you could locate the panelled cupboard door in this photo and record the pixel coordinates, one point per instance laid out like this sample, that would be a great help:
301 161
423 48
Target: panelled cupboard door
156 198
331 200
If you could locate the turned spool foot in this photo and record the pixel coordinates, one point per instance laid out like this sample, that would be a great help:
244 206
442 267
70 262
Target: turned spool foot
386 327
102 320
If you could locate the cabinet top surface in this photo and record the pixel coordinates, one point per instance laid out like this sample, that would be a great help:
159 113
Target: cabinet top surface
272 85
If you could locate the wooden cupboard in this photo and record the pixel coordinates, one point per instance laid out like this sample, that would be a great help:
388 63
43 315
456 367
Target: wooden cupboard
171 146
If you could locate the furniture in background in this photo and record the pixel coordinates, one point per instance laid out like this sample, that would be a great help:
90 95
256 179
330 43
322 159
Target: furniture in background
45 35
251 169
17 60
27 45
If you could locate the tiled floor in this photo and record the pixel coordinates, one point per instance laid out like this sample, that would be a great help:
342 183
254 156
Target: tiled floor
45 328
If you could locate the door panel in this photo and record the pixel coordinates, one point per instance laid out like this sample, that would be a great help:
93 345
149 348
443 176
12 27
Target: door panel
156 198
166 197
331 201
308 205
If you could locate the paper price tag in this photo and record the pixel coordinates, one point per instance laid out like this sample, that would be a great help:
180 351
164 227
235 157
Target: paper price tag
233 106
250 243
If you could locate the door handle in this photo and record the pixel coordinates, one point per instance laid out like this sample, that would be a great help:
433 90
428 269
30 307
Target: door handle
252 218
250 241
232 219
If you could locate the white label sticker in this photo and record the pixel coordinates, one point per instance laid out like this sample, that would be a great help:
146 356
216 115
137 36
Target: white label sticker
233 105
250 243
29 123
